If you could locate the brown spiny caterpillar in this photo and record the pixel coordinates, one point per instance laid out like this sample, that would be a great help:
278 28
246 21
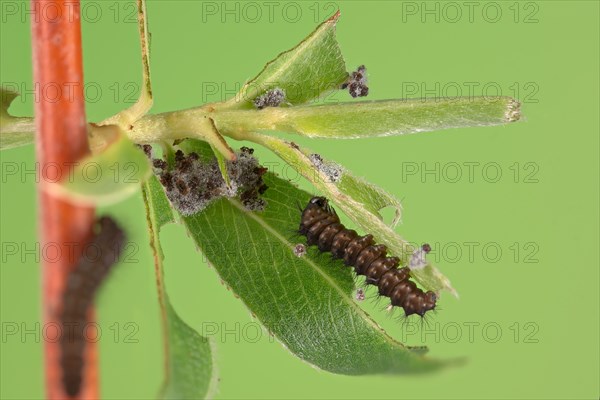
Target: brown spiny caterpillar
321 226
82 284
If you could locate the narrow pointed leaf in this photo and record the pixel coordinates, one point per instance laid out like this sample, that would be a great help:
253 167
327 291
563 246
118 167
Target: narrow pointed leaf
305 72
189 357
14 131
373 118
306 302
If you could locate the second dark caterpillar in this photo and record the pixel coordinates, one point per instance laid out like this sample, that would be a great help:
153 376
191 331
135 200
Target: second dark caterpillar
81 287
322 227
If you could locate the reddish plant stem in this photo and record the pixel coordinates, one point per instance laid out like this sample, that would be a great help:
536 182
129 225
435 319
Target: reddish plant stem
61 140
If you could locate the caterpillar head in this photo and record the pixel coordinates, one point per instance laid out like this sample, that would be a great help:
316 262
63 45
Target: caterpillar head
320 203
317 209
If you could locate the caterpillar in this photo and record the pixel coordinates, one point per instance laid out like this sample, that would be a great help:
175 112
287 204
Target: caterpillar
322 227
82 284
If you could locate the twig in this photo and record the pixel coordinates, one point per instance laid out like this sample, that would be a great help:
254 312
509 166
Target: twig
61 139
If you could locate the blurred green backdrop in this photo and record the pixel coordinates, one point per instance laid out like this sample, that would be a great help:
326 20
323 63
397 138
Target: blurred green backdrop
520 247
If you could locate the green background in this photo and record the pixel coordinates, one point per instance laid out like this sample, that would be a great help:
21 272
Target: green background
543 298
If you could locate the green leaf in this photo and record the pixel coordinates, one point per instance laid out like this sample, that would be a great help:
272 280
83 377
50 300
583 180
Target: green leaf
159 212
222 165
14 131
204 149
306 302
305 72
372 197
189 357
113 173
190 360
361 202
372 118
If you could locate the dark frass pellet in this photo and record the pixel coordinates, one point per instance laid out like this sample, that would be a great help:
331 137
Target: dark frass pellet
193 183
299 250
357 83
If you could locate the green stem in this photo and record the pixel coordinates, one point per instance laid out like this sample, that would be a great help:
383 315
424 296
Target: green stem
191 123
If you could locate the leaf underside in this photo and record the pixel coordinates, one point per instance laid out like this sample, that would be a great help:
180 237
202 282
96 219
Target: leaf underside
398 117
366 119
